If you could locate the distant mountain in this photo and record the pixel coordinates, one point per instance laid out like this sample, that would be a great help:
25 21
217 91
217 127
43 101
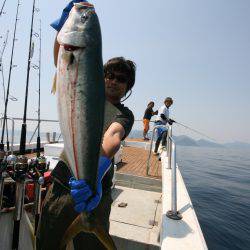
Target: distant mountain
237 144
184 140
205 143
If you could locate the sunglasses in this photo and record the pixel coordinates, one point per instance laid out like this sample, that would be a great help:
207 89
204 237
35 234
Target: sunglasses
119 78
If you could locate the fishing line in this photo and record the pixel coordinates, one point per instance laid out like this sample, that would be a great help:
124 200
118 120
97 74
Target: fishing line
196 131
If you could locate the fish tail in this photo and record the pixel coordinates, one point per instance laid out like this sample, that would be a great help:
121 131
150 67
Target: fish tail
75 228
104 237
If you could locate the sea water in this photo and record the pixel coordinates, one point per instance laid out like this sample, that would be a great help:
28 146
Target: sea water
218 182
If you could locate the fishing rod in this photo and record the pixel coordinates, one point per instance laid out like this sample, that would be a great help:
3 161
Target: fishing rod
1 11
1 69
41 166
196 131
39 94
9 78
1 62
21 166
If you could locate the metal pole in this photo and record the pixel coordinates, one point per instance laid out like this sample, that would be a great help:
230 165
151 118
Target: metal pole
12 135
173 213
169 153
174 198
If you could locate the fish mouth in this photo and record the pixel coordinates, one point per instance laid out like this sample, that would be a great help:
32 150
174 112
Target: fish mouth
69 47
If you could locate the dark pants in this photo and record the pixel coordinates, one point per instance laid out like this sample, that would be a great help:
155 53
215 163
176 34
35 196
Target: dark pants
163 138
58 213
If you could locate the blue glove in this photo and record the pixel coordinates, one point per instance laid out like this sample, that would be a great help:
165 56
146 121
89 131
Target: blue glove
57 24
81 192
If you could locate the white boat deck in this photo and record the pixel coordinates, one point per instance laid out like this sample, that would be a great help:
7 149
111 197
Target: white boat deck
136 226
179 234
130 226
142 222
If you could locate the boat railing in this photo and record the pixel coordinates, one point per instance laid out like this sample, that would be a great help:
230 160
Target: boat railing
171 164
12 132
14 119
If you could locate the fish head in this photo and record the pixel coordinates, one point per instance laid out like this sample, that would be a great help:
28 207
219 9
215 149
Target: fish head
82 28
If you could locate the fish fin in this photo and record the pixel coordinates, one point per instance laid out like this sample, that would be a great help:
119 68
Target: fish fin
104 237
53 89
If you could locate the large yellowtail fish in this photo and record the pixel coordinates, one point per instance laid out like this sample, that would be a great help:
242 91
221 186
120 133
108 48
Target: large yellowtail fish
81 101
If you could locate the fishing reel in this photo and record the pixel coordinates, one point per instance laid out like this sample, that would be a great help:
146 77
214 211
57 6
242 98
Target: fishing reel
17 166
37 167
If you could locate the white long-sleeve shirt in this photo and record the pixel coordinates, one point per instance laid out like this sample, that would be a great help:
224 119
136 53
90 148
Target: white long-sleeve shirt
165 111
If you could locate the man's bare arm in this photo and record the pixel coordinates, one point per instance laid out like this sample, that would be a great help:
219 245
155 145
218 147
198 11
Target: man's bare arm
112 140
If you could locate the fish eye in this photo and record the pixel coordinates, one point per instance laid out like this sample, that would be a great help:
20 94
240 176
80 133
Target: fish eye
84 17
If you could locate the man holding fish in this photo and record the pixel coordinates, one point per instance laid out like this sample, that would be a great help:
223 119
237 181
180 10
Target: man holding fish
78 203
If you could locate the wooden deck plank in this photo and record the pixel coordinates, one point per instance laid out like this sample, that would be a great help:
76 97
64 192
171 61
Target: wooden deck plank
134 161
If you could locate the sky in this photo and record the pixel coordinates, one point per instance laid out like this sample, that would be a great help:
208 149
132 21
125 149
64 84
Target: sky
197 52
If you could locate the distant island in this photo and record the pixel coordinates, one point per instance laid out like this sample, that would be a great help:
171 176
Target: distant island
184 140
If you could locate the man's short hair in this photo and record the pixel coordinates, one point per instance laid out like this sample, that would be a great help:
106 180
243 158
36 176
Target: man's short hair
121 65
169 99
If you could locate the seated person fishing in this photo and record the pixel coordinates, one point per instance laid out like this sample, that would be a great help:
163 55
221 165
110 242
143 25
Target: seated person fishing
163 119
67 197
